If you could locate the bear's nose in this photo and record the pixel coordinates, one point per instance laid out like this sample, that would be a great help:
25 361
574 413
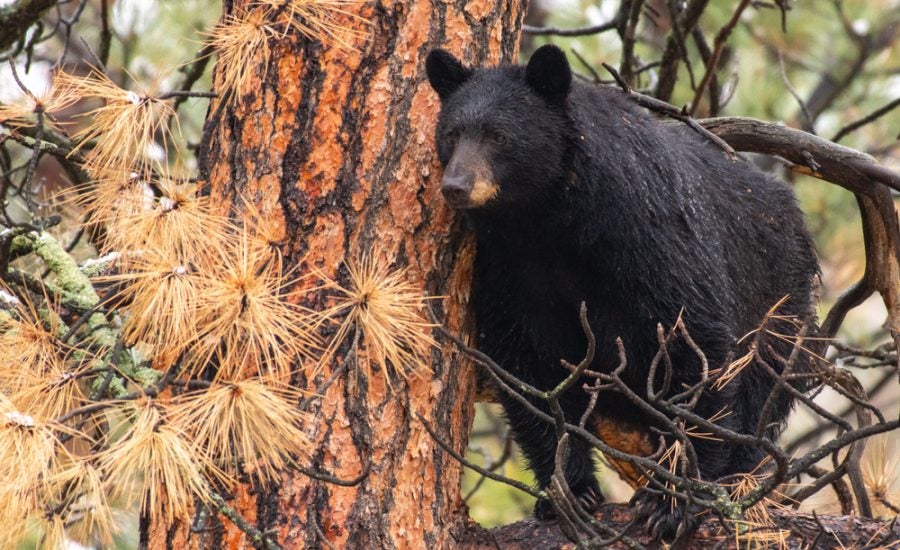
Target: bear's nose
455 190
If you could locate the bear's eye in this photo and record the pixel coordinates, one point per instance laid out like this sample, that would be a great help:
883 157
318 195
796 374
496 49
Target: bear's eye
499 139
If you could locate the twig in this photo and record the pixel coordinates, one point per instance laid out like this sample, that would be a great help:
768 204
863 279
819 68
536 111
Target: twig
667 109
203 148
338 372
823 478
765 414
258 537
718 44
16 18
475 467
105 35
852 297
705 55
684 22
506 381
579 31
492 464
815 431
322 537
328 478
193 72
810 123
185 94
800 465
574 520
587 66
830 85
871 117
577 372
626 67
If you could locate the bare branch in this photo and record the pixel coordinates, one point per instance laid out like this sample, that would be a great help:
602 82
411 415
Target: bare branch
718 44
475 467
871 117
580 31
662 107
16 18
684 23
838 164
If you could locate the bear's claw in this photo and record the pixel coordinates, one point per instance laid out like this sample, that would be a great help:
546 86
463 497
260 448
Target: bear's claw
662 519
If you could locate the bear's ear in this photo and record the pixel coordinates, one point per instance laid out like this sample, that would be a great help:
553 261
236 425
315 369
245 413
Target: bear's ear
445 73
548 73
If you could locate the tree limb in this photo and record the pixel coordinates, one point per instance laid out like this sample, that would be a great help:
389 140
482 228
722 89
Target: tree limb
788 530
16 18
814 155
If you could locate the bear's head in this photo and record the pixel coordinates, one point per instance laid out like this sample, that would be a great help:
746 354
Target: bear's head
503 133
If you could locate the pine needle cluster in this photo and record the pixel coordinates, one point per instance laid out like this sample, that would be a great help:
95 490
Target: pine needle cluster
249 427
30 452
249 323
158 297
168 215
758 529
155 463
229 309
81 492
768 327
242 40
326 21
388 312
27 449
881 475
39 373
24 110
758 514
124 129
115 195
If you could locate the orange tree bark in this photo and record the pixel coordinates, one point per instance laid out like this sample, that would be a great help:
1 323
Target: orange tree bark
335 147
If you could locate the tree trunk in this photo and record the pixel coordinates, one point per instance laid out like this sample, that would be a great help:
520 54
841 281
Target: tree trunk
335 146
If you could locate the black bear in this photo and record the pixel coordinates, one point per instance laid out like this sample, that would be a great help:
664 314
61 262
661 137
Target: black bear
576 194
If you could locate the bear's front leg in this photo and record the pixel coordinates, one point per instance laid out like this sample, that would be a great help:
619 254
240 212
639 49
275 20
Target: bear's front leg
663 518
668 518
537 439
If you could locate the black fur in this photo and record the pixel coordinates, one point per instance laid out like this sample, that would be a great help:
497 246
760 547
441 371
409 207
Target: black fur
603 202
445 73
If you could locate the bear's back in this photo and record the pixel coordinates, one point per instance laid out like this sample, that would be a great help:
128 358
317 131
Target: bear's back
693 225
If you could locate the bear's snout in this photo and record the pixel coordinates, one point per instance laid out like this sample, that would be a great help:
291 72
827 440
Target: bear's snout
456 189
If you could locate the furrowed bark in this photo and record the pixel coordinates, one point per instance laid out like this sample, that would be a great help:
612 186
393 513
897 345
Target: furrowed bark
336 147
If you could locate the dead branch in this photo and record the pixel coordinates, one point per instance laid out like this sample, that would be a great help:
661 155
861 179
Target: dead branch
789 530
713 63
671 414
812 155
580 31
15 19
